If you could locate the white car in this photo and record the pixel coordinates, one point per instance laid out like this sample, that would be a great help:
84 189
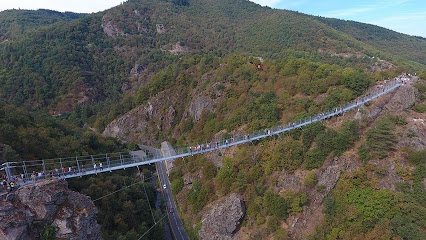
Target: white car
164 186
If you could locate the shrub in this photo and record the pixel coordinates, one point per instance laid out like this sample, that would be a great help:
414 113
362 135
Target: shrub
381 139
275 205
314 158
225 176
273 224
287 154
421 87
363 153
281 234
296 202
177 185
417 158
198 196
420 108
321 188
347 135
132 146
209 170
48 233
403 227
310 179
398 119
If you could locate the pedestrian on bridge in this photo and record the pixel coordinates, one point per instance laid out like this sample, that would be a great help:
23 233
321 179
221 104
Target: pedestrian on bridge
4 183
95 166
12 185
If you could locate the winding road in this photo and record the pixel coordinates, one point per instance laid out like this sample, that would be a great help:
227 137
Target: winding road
176 224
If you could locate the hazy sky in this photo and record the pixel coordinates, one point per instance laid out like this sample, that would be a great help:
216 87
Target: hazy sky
406 16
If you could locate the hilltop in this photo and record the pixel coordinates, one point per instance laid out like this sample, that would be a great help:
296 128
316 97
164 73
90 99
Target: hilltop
409 47
15 24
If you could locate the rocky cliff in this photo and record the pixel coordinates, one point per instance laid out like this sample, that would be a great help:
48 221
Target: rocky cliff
26 212
223 219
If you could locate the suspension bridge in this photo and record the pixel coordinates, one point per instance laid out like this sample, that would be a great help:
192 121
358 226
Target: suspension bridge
29 171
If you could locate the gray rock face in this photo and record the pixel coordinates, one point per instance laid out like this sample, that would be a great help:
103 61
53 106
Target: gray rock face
136 70
403 98
414 137
223 219
198 105
110 28
25 213
397 101
138 124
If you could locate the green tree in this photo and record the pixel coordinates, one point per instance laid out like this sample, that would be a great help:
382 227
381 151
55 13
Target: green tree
48 233
273 224
225 176
198 196
418 157
381 139
177 185
275 205
310 179
356 80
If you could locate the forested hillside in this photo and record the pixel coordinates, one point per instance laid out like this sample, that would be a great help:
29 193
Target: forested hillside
89 60
189 71
14 24
412 48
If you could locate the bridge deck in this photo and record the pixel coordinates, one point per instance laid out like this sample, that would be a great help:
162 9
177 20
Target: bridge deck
117 161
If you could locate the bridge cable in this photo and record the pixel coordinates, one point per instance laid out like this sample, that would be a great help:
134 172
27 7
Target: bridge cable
152 226
149 204
121 189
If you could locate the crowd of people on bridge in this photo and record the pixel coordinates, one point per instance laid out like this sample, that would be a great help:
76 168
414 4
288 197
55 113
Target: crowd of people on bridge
8 185
17 180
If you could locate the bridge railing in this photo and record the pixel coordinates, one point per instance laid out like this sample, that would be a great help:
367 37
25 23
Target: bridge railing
33 170
338 110
91 164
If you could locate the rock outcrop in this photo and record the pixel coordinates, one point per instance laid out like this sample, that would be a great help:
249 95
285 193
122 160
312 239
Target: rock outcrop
223 219
395 102
198 105
137 125
26 212
110 28
414 136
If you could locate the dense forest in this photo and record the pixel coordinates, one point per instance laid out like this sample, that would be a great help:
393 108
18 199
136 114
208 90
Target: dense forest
15 24
131 211
189 71
383 39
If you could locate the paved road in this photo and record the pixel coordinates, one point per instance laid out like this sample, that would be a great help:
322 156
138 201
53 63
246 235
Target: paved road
174 220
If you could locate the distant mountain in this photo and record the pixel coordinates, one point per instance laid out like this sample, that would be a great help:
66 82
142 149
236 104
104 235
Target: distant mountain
15 23
409 47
